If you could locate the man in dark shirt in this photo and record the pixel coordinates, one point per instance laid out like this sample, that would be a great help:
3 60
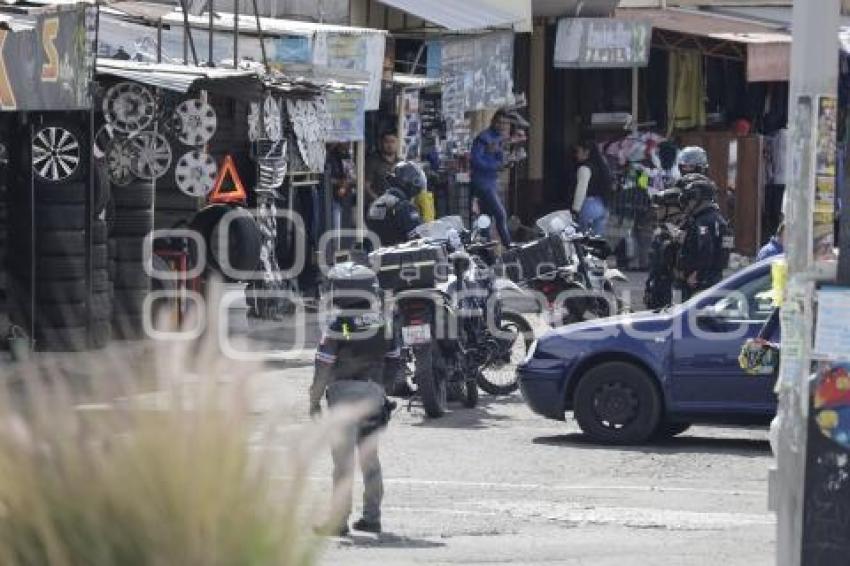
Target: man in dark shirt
381 164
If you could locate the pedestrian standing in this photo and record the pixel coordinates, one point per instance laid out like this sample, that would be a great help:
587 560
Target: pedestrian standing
594 185
380 164
488 160
354 361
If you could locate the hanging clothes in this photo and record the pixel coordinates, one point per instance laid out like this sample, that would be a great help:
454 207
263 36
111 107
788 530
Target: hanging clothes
686 101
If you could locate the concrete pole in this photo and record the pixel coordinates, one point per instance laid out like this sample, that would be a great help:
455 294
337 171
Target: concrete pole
814 73
361 190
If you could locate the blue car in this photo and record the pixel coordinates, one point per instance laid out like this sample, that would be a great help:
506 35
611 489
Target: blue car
632 378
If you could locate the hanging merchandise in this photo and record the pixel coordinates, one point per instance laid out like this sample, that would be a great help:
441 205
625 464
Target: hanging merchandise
128 107
194 122
310 124
271 116
271 162
195 173
102 139
152 155
228 192
119 162
56 153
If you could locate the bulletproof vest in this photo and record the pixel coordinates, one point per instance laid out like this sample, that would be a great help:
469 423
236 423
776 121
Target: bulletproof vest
361 345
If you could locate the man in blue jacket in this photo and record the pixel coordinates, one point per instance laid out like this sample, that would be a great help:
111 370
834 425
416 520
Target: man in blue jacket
488 160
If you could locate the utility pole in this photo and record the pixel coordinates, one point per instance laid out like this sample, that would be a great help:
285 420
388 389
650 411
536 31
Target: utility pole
814 74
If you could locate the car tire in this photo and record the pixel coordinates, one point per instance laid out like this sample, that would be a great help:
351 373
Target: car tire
69 193
135 196
61 217
70 339
128 327
617 403
61 268
667 430
130 223
131 275
129 249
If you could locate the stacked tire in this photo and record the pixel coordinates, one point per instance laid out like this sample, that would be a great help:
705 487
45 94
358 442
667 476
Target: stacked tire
58 270
173 208
132 222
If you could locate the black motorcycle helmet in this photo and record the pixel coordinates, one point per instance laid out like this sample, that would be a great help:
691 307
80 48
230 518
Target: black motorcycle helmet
409 178
352 286
693 159
668 154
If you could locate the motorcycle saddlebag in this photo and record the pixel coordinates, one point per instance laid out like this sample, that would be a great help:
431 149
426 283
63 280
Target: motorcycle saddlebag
530 260
412 265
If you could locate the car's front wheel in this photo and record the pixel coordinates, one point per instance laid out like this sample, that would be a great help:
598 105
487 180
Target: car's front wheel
617 403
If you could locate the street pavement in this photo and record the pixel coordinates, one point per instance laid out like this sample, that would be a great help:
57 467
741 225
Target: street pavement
499 485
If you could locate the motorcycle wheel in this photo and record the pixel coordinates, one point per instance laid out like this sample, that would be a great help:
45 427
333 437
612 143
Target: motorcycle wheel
432 385
501 379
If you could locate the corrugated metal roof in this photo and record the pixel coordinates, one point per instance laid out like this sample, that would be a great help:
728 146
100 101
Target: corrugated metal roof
171 77
715 26
270 26
460 15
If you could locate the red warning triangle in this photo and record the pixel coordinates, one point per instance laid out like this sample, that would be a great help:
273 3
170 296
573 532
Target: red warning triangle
228 188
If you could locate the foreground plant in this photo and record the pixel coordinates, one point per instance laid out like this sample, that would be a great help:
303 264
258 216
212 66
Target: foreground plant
161 480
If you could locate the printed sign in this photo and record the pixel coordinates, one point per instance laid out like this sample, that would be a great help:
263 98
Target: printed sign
347 115
602 43
825 165
48 67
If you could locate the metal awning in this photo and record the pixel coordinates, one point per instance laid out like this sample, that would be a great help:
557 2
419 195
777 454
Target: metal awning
463 15
270 26
764 46
180 78
414 81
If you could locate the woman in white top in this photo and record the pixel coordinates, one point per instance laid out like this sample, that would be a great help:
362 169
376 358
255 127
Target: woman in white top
594 184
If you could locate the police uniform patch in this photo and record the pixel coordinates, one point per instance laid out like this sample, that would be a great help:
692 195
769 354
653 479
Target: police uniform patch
703 230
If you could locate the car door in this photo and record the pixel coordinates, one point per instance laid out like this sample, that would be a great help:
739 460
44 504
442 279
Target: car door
705 370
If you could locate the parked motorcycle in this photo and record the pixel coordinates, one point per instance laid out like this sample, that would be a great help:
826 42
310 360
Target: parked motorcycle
453 331
577 278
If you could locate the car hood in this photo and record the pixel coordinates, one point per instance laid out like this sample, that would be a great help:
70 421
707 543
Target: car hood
647 320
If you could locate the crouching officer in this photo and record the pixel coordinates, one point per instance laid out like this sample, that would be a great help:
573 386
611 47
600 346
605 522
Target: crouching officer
352 362
707 240
393 216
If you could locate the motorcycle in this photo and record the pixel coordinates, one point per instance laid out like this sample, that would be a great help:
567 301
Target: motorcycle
454 334
589 283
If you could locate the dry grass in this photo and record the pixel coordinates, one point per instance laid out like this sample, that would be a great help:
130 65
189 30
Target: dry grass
168 481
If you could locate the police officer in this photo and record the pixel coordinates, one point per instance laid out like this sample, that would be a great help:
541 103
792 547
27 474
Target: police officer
706 240
693 160
353 362
392 216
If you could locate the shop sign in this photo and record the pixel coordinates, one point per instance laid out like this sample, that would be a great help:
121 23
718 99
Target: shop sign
346 108
48 66
602 43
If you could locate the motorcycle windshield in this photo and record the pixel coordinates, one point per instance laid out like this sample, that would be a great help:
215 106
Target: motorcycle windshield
439 229
557 223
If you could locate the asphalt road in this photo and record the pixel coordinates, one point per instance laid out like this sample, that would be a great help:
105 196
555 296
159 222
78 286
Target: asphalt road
499 485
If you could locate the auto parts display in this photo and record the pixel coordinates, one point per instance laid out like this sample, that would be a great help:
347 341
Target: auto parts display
56 153
310 125
195 122
119 162
195 173
271 117
151 155
129 107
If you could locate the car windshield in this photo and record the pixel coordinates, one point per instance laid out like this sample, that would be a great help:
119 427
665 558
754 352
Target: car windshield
556 222
439 229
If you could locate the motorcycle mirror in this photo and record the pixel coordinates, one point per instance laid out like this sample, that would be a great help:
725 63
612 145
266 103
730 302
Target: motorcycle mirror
483 222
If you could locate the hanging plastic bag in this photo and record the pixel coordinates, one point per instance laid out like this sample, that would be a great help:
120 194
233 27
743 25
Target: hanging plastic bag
424 201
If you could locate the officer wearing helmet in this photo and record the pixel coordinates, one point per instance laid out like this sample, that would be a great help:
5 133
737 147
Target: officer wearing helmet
693 160
393 216
706 238
354 361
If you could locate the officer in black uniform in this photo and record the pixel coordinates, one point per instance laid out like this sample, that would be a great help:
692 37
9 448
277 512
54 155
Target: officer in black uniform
393 216
706 239
353 363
